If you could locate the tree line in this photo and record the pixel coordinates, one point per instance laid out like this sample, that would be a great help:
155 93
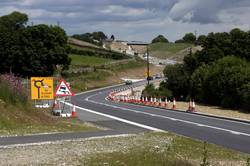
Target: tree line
219 74
31 50
187 38
94 38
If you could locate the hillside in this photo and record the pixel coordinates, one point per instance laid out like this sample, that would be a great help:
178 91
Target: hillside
167 50
84 48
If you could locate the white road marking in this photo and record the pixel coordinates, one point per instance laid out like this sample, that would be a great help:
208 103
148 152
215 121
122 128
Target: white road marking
199 115
117 118
173 119
165 117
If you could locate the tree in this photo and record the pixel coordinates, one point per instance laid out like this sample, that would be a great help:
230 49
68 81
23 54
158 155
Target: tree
178 81
160 39
225 82
201 39
94 38
99 36
189 38
219 74
13 21
29 51
11 28
180 41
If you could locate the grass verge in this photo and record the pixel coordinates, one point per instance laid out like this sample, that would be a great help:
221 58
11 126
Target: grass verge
166 149
16 120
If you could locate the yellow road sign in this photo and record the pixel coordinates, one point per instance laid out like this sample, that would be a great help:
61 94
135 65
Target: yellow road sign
147 73
42 88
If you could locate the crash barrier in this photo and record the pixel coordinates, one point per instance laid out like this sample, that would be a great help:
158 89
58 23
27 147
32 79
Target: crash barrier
116 96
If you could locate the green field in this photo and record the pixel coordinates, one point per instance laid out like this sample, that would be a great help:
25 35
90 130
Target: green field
166 50
83 48
81 60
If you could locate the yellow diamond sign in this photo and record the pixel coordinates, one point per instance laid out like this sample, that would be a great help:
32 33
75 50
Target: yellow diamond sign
42 88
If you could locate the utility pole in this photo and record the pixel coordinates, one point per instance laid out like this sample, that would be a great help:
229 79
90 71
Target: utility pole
147 65
195 33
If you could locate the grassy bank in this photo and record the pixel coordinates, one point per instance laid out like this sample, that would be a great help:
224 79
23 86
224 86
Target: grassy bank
81 60
166 149
16 120
169 47
167 50
19 117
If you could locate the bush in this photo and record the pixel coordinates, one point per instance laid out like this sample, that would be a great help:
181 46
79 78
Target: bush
178 81
225 83
11 91
160 39
149 91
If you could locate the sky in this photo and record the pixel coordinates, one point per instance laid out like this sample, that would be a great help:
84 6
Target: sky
137 20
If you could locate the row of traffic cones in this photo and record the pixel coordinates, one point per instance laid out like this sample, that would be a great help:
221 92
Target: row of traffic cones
57 108
150 101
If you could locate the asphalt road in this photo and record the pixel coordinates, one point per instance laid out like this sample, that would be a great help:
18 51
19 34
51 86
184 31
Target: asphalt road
227 133
123 118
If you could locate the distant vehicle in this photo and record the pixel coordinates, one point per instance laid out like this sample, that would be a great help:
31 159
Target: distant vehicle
158 76
128 82
150 78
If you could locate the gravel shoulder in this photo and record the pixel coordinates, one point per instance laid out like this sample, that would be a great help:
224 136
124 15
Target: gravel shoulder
100 150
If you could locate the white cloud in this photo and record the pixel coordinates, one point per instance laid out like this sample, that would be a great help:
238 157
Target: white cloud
136 19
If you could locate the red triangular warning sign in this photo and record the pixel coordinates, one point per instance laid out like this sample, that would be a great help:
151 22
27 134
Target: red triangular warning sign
63 89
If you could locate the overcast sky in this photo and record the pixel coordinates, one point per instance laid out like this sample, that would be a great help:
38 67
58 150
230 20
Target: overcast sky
136 19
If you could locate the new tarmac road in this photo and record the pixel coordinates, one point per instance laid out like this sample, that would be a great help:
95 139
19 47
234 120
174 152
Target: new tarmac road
228 133
123 118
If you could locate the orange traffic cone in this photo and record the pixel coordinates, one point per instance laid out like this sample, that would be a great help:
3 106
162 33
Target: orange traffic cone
189 106
166 102
155 102
143 100
193 107
174 104
160 102
146 101
56 105
151 101
73 113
